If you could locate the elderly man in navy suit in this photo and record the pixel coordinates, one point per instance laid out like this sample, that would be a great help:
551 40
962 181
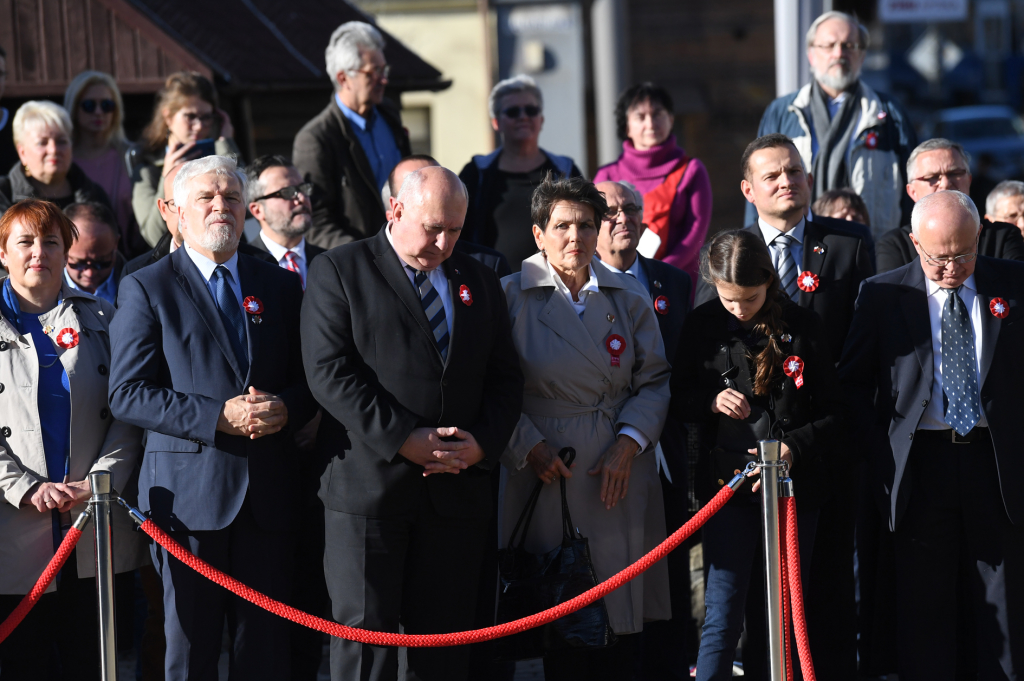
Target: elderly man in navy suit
933 365
206 357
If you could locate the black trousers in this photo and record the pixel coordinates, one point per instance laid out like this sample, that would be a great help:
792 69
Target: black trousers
420 573
955 525
195 608
614 663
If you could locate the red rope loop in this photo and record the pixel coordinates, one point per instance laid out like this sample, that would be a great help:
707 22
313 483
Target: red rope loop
803 644
33 596
379 638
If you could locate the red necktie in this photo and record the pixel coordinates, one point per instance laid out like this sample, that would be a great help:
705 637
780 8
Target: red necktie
292 264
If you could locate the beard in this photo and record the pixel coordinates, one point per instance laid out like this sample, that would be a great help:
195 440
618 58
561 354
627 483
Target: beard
220 238
840 83
287 226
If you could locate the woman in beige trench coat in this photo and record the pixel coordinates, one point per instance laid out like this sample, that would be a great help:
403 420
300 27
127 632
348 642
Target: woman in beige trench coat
38 505
596 380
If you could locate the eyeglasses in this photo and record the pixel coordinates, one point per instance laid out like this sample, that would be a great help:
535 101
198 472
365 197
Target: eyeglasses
95 265
204 119
952 177
630 210
89 105
530 110
943 261
289 193
376 71
843 47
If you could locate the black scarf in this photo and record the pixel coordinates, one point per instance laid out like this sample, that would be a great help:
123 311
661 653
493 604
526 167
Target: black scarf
833 135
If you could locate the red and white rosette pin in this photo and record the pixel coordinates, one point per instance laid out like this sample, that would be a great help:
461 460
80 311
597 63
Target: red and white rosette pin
793 366
871 141
661 305
807 281
999 307
616 345
465 295
67 338
253 305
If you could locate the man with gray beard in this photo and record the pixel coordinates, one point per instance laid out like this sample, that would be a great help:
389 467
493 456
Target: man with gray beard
847 134
279 199
205 355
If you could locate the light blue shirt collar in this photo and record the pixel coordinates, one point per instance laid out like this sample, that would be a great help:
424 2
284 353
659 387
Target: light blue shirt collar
107 290
359 121
769 233
636 270
207 266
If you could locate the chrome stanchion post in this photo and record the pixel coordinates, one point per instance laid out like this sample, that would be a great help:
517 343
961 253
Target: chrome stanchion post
100 506
768 458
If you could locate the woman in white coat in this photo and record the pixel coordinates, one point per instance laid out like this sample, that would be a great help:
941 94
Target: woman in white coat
596 380
55 429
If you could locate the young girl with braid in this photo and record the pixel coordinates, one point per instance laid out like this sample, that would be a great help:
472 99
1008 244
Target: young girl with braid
751 365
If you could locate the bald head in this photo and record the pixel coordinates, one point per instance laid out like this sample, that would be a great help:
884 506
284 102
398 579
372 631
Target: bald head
945 226
427 217
166 206
398 175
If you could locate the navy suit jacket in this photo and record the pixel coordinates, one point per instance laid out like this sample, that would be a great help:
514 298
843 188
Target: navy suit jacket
172 370
674 284
887 372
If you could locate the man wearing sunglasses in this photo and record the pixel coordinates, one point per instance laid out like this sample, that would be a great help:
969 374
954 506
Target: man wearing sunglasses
94 264
935 165
349 148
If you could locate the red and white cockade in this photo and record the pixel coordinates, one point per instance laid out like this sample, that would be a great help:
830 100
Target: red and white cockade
253 305
465 295
67 338
793 367
999 307
807 281
616 345
661 305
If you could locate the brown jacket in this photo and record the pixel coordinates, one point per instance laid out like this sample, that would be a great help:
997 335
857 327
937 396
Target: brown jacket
346 204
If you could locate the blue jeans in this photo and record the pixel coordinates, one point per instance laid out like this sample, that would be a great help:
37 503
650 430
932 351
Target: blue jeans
732 558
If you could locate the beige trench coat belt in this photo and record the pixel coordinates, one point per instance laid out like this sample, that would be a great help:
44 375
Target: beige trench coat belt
560 409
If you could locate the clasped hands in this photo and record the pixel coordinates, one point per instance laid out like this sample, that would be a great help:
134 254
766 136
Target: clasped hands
734 404
614 467
253 415
425 447
47 496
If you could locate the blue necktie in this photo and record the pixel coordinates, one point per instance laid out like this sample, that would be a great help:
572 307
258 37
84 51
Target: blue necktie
959 365
232 315
434 309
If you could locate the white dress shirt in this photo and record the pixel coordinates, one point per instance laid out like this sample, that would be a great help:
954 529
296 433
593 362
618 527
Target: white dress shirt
580 307
934 415
278 251
634 270
796 247
437 280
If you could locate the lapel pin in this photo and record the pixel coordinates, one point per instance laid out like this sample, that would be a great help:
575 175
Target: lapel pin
807 281
457 271
256 319
616 345
999 308
871 141
661 305
47 329
819 249
254 306
611 317
67 338
657 284
465 295
793 367
786 338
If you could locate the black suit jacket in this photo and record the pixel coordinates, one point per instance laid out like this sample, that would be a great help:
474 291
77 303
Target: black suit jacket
997 240
674 284
310 250
849 227
163 248
887 373
373 365
489 257
841 268
172 369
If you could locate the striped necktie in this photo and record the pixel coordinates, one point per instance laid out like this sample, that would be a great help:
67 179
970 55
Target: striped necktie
291 263
785 265
434 309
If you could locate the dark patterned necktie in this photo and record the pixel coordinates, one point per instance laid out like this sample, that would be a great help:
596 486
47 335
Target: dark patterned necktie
959 365
434 309
232 315
785 265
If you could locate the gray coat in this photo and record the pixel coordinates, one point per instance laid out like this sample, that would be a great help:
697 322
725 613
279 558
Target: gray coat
575 397
98 442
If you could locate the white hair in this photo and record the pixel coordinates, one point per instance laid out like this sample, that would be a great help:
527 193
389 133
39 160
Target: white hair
934 144
1001 191
222 166
413 183
637 196
812 32
510 86
921 206
40 112
348 42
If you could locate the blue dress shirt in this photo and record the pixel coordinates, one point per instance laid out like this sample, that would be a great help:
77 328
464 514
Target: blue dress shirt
107 290
377 141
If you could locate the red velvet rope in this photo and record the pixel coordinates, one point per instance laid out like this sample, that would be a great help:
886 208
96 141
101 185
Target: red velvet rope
786 592
792 549
33 596
379 638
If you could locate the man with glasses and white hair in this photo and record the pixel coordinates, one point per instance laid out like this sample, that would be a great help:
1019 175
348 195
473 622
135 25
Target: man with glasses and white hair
848 135
935 165
350 147
932 367
1005 203
206 357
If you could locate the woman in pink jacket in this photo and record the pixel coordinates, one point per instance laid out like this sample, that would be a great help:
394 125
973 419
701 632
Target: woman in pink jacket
676 188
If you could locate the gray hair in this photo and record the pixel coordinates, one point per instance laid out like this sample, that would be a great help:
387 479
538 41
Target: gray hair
1001 191
921 206
413 183
222 166
812 32
935 144
36 112
510 86
348 42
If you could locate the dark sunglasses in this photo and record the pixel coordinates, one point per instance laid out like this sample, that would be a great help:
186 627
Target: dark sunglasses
514 111
95 265
89 105
288 193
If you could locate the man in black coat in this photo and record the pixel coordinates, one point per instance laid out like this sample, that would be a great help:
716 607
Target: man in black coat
822 270
349 148
409 352
664 653
935 165
932 366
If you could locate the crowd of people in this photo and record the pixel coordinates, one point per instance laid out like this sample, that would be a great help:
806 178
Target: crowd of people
350 411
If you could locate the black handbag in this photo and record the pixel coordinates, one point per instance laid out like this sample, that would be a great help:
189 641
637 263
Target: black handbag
531 583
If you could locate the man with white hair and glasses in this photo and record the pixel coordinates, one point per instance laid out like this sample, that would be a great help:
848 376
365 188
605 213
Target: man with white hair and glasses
847 134
207 359
350 147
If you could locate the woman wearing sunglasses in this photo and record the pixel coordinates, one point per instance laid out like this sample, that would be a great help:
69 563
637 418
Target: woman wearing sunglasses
501 183
94 103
